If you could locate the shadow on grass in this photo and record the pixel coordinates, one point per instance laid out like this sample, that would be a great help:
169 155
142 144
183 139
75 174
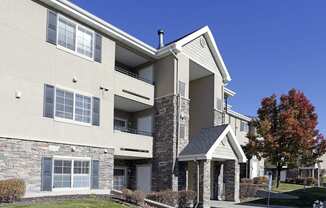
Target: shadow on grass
306 198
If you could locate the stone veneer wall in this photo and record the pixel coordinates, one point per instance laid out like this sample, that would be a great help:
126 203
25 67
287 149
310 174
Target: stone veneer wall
232 180
165 151
22 159
205 183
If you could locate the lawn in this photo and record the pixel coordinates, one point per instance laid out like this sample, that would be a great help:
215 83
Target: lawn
306 196
286 187
78 203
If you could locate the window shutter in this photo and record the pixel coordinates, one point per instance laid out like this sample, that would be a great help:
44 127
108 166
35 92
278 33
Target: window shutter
96 111
219 104
182 131
182 89
95 174
48 106
46 179
98 48
51 32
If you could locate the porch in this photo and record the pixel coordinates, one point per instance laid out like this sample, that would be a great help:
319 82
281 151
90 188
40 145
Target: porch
209 165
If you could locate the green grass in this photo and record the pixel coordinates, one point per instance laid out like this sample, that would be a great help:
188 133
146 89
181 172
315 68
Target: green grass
306 197
78 203
286 187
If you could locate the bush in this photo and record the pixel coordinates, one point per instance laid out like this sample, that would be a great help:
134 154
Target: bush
247 180
310 181
166 197
127 194
11 190
248 190
186 198
261 180
136 197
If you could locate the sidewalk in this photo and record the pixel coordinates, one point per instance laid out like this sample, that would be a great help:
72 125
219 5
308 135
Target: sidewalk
227 204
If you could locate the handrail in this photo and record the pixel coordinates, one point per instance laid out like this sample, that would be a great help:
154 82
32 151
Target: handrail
133 131
134 75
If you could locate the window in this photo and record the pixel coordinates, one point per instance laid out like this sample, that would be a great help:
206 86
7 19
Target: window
83 108
85 42
71 173
66 33
64 104
73 106
81 174
119 178
244 126
75 37
62 174
120 124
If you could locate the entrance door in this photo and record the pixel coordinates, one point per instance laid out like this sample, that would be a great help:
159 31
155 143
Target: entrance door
144 178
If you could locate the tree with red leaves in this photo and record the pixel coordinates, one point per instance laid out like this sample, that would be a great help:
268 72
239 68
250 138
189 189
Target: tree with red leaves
286 132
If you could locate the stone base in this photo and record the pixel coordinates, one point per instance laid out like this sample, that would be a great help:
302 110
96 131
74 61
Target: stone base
23 159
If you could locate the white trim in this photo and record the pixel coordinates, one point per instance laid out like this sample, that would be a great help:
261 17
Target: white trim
101 25
72 159
73 120
192 157
211 43
239 115
210 152
229 92
228 132
77 25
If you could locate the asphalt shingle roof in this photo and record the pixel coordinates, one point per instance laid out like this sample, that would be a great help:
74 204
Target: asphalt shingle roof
201 143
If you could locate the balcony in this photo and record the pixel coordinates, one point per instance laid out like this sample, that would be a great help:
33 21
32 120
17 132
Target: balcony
134 75
133 143
133 87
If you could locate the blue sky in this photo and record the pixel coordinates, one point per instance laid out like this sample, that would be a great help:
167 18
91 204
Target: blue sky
268 46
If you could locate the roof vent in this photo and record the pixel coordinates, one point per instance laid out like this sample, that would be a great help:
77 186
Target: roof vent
160 33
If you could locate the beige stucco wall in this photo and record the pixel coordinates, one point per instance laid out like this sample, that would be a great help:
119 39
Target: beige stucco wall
164 76
235 123
29 62
201 95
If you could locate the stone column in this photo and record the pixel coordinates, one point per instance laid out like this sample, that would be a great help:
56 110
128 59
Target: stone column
166 147
232 180
205 183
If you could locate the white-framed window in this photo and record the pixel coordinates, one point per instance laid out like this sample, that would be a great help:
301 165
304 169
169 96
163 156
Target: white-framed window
244 126
71 173
72 106
66 33
119 178
120 124
75 38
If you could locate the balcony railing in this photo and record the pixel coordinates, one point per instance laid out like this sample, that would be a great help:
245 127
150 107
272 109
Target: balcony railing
133 131
131 74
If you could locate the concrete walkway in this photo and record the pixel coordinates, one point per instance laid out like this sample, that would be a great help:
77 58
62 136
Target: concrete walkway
227 204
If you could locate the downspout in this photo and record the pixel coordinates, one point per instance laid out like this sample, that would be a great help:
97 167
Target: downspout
178 103
197 202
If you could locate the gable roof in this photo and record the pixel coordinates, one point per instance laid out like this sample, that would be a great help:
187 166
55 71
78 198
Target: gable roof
84 16
203 145
177 45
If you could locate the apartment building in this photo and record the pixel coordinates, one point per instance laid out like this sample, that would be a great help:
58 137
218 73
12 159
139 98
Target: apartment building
87 108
